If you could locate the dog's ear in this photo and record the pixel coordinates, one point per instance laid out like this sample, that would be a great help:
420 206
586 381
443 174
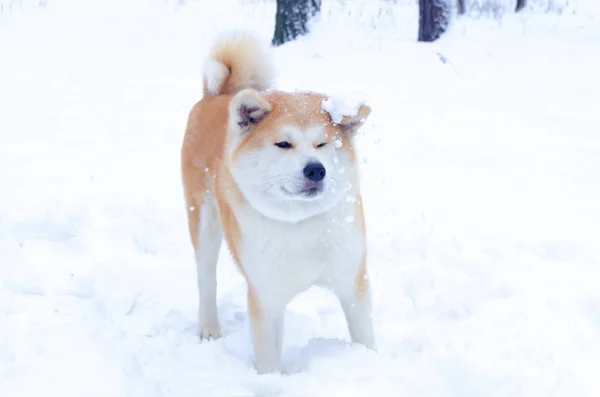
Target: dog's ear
246 109
351 124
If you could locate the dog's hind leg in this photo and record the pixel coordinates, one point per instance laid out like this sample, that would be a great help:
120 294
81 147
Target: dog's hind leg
207 236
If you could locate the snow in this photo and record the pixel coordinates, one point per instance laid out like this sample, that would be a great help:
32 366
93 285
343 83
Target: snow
343 104
480 180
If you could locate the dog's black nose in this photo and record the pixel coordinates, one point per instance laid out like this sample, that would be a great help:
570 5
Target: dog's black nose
314 172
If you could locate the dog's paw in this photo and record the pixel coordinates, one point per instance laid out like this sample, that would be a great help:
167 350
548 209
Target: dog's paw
207 332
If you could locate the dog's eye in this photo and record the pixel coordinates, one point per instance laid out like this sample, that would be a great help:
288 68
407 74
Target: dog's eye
284 145
321 144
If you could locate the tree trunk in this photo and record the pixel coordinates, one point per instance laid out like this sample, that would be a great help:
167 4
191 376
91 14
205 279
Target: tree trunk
461 7
292 19
434 16
520 5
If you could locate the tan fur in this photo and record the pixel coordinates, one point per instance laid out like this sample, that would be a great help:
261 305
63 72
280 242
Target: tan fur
301 109
362 279
228 220
253 305
201 155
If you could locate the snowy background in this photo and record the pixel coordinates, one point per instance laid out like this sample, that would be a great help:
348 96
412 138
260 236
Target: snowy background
480 174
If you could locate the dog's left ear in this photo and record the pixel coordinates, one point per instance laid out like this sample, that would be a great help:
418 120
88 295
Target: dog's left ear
351 124
246 109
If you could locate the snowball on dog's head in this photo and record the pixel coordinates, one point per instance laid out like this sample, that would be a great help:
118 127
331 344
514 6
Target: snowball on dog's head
349 110
350 124
288 157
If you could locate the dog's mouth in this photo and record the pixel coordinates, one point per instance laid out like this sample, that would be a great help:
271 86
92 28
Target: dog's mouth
309 191
312 191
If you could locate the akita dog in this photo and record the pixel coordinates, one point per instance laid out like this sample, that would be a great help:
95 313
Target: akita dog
276 176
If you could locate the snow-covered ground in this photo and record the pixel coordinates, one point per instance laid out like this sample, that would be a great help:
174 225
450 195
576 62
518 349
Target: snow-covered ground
481 180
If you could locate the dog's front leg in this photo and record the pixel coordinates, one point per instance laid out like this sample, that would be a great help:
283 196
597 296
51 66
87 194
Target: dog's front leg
358 316
355 297
266 321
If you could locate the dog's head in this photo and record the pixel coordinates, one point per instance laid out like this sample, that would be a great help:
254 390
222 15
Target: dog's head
287 156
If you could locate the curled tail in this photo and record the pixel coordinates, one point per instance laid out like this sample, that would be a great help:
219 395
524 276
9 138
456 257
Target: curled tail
237 61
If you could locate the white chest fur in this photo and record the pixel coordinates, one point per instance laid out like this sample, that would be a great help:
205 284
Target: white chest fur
282 259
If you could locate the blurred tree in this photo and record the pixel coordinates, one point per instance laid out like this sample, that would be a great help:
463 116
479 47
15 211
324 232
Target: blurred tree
520 5
434 16
461 7
292 19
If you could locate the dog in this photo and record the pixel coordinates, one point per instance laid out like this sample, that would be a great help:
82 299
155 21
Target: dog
273 174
